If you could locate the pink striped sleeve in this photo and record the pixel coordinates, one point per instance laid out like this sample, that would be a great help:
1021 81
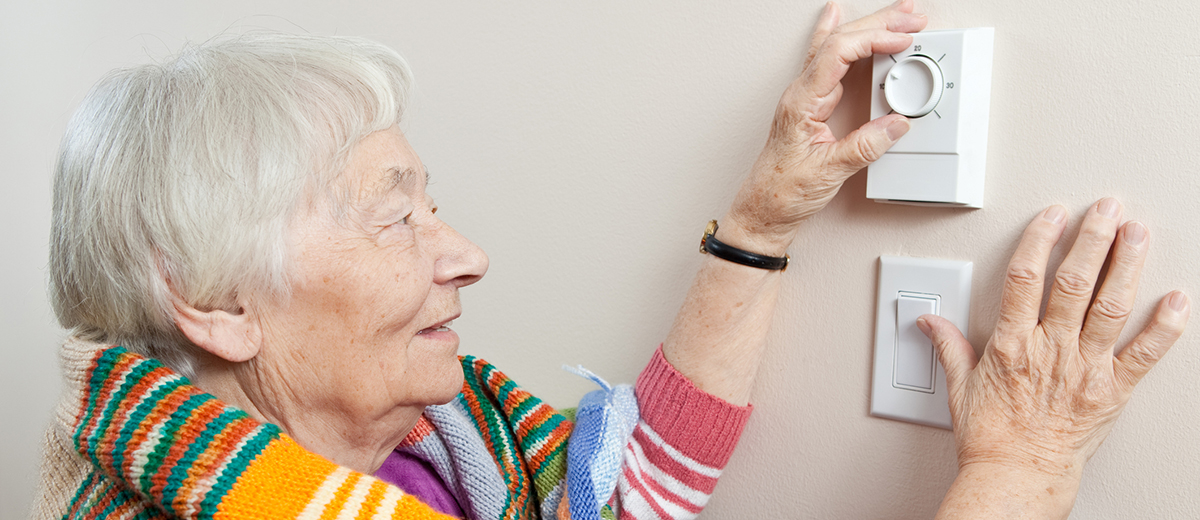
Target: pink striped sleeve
681 444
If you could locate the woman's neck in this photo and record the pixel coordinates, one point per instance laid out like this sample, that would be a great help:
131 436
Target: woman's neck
323 428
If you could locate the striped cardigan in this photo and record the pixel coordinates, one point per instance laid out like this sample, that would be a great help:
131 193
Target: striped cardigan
132 439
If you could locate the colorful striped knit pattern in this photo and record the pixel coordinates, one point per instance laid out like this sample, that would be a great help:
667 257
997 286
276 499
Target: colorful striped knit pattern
661 462
161 448
149 445
526 437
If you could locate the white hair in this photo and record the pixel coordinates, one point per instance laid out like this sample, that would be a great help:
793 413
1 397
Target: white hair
187 172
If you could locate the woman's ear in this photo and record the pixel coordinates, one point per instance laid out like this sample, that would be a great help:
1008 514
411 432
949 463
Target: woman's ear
232 336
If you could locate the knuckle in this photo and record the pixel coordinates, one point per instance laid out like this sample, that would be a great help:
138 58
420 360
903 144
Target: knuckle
1007 355
1128 259
1095 398
1140 357
1023 275
1073 284
1110 308
1099 233
866 152
839 43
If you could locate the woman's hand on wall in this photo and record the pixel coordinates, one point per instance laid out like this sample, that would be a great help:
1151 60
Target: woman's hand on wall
803 165
1045 394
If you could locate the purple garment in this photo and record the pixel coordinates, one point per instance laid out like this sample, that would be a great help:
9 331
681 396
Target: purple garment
417 477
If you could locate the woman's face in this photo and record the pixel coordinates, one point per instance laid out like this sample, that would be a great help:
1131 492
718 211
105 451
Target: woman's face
375 287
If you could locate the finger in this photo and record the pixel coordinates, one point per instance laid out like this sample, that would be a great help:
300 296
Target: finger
867 144
897 17
1076 276
1113 304
825 25
839 50
1153 342
1021 298
953 350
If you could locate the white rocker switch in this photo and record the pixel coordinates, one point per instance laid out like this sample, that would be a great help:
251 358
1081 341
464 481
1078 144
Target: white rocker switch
943 84
915 360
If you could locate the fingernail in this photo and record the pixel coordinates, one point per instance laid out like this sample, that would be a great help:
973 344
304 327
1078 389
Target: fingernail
1135 233
1109 207
897 129
1055 214
923 325
1178 301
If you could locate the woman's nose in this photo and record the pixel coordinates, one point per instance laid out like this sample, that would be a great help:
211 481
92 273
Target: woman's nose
460 262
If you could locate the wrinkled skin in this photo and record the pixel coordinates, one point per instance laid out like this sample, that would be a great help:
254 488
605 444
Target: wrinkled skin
719 334
803 165
1046 392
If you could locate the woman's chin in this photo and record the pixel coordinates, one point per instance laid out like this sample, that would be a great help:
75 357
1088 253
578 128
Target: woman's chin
439 371
452 387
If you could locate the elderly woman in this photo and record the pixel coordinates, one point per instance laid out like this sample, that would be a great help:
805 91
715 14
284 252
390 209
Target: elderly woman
261 296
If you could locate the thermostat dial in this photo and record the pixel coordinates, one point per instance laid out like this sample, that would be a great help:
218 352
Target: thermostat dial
914 86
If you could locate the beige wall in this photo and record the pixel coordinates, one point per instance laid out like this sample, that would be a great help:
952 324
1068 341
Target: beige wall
584 146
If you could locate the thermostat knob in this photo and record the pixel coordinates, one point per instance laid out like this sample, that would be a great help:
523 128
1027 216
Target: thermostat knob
913 86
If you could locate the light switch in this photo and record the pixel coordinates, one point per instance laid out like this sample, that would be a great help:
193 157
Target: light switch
943 83
908 383
914 365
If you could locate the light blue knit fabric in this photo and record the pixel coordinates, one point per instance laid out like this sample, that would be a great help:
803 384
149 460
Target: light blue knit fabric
460 457
603 424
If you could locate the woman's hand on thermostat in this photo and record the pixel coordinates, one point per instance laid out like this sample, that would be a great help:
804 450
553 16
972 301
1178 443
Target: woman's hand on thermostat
803 165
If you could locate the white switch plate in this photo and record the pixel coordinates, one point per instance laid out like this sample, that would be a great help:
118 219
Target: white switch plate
948 282
942 159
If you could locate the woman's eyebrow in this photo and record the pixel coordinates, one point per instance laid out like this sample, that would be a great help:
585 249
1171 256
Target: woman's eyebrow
399 176
391 178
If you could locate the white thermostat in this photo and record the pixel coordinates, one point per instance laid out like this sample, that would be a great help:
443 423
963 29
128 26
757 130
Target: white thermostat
943 84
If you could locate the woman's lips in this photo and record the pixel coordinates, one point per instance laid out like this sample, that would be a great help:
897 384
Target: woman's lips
445 327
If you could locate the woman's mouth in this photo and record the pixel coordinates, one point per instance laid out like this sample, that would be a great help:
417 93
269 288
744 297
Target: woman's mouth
445 327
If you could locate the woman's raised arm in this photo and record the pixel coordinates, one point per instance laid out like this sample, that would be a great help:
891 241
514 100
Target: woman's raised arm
717 339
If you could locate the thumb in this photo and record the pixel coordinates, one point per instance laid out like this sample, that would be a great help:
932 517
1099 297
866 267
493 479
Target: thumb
867 144
953 350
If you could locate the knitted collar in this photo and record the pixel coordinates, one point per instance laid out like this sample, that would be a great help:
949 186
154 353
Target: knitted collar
158 447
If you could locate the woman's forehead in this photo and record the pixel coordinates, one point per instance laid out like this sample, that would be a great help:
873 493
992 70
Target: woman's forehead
381 163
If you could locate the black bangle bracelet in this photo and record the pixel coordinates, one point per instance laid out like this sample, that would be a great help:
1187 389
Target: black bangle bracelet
709 244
